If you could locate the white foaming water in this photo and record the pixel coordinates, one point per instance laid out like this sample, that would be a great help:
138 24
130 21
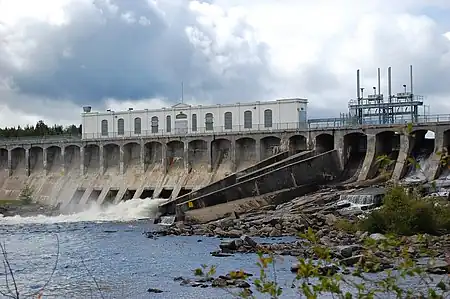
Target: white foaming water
129 210
418 175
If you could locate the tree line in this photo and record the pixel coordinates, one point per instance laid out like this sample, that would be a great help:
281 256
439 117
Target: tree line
40 129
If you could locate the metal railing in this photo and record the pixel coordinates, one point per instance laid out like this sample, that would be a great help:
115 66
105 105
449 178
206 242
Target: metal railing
312 124
341 123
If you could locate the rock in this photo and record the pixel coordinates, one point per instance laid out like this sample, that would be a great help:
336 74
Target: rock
234 233
363 236
241 283
153 290
330 219
347 251
274 233
328 270
351 261
249 241
220 254
325 240
231 245
219 231
377 237
219 283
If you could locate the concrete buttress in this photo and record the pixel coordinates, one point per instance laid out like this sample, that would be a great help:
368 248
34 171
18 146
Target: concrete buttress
369 158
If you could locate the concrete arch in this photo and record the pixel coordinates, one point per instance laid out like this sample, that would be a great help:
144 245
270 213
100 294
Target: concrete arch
72 157
270 146
246 152
92 157
387 144
175 154
131 155
198 153
220 151
109 143
3 158
18 161
446 152
111 157
355 146
152 154
36 158
324 143
79 145
54 158
298 143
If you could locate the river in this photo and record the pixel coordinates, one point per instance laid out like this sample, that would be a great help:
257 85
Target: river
107 245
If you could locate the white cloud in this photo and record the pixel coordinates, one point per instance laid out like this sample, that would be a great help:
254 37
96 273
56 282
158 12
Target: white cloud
291 48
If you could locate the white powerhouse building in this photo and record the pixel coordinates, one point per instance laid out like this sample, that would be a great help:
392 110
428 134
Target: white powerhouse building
182 119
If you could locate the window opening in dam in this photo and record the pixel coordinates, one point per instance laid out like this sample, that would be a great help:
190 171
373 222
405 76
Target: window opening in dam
270 146
36 159
129 194
147 193
77 196
94 195
111 195
3 158
184 191
165 193
54 158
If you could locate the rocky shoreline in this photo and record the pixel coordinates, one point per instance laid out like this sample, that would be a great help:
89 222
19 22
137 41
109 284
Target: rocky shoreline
28 210
320 213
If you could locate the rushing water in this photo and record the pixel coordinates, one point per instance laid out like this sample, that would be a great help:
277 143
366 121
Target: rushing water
109 243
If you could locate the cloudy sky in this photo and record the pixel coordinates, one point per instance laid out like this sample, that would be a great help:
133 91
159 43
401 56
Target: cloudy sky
57 55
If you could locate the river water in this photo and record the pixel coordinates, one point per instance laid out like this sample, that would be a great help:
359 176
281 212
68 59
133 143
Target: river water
107 245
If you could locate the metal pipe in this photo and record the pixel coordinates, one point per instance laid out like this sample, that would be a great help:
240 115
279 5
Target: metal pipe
379 82
411 78
389 84
358 95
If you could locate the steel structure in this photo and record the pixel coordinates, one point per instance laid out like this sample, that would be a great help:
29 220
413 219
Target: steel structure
375 109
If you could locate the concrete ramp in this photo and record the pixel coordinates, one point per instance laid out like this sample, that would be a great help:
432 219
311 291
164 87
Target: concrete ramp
319 169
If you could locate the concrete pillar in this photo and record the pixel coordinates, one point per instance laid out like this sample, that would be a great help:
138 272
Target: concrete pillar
9 166
339 146
435 163
406 146
102 160
258 149
82 157
369 158
164 157
121 163
63 159
27 161
233 155
186 155
44 160
209 155
142 156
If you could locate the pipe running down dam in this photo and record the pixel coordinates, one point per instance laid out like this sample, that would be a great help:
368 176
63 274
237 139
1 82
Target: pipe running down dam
68 173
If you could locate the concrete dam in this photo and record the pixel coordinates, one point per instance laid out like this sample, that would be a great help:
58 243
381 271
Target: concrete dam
200 171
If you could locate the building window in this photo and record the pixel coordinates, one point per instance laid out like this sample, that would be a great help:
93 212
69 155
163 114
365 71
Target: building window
120 126
267 118
247 119
104 127
155 124
209 122
137 125
228 121
194 122
168 124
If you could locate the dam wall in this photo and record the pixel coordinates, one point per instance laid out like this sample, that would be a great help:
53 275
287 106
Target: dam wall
68 171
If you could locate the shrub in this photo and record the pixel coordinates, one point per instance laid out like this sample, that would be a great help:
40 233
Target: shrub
406 212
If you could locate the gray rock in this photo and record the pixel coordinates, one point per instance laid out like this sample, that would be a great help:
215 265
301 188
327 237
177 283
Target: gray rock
351 261
219 283
274 233
249 241
231 245
234 233
377 237
241 283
